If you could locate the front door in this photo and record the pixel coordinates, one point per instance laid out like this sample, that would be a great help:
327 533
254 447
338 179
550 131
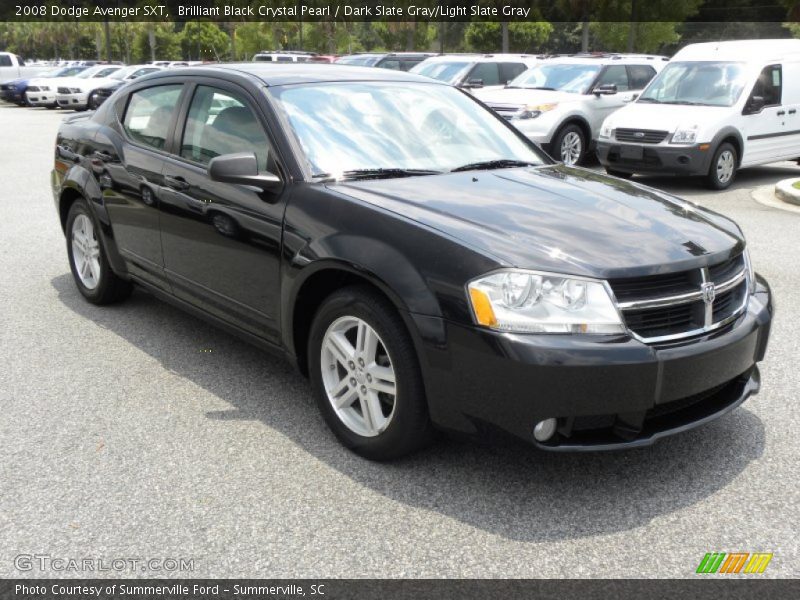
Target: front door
604 104
222 241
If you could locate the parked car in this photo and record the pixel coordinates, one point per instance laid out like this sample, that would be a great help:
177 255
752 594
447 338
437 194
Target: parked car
423 262
476 71
41 91
99 95
396 61
561 102
717 107
283 56
74 92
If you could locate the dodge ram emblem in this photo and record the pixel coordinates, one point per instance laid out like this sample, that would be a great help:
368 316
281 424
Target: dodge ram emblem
709 292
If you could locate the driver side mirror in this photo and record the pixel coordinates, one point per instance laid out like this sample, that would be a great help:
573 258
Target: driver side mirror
754 105
473 83
242 168
607 89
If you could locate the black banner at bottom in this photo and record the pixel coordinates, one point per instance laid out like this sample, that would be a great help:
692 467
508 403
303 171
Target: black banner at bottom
400 589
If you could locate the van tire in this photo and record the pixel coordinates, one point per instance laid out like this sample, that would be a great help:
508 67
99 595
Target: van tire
722 170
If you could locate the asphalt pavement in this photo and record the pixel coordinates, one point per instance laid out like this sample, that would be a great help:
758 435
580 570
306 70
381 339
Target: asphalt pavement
137 431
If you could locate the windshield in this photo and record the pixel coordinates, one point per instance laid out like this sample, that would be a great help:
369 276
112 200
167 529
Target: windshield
367 126
697 83
572 78
446 71
358 61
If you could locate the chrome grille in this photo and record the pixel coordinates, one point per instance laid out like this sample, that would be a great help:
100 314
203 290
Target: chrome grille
63 90
33 88
677 305
507 111
640 136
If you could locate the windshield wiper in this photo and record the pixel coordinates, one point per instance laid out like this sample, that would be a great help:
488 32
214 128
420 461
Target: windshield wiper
653 100
551 89
383 173
686 102
501 163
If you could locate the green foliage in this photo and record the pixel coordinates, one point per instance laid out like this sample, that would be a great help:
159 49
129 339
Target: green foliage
522 36
202 40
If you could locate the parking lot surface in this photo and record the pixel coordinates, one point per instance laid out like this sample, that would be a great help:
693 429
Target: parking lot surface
139 431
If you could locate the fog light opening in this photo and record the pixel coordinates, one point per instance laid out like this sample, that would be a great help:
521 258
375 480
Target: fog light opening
544 430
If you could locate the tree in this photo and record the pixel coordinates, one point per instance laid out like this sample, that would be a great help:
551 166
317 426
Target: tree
527 37
202 40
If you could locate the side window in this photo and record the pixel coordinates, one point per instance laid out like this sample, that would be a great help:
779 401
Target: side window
617 75
488 72
149 113
769 85
640 76
220 123
392 64
285 59
509 71
5 60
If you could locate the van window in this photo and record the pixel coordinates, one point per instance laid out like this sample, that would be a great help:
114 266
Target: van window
700 83
769 85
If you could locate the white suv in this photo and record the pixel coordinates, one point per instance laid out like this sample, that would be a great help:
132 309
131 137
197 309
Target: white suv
475 71
561 102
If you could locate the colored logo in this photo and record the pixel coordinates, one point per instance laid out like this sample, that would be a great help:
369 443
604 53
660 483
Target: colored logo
732 563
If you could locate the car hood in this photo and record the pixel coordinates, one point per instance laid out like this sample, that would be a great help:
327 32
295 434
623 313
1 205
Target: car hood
644 115
559 218
524 96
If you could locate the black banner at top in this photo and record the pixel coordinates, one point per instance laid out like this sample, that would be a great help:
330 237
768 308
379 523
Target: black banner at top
400 10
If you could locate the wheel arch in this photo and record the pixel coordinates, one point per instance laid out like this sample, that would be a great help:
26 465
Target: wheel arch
734 137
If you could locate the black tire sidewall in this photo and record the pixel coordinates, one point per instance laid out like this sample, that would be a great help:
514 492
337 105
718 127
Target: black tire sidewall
712 180
101 292
560 138
409 427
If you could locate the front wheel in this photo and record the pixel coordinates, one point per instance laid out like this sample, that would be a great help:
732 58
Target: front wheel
723 167
569 145
87 259
365 375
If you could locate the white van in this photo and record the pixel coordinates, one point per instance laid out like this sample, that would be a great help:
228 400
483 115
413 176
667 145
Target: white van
715 108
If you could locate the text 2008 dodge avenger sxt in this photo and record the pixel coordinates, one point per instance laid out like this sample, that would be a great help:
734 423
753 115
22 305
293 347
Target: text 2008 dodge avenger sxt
422 262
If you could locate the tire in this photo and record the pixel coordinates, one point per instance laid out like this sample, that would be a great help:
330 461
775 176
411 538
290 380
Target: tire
393 425
51 106
569 145
620 174
722 170
94 278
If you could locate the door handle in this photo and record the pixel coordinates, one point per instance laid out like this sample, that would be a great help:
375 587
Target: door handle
792 111
176 183
780 113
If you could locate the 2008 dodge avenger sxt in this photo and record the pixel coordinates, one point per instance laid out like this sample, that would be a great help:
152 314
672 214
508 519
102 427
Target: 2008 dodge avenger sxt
422 262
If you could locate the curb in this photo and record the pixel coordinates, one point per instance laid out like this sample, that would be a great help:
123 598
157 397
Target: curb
766 195
785 190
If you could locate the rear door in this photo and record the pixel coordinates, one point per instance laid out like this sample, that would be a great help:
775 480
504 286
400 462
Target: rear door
129 173
766 130
222 241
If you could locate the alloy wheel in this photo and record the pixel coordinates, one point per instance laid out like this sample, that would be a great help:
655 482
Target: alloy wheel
85 252
358 376
571 148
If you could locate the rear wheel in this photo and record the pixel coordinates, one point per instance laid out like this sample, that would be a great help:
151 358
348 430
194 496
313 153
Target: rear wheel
569 145
366 377
87 260
723 167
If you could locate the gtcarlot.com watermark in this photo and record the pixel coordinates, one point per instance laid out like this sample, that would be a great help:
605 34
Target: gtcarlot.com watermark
61 564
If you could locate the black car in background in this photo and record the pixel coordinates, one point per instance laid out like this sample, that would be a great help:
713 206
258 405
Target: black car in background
418 258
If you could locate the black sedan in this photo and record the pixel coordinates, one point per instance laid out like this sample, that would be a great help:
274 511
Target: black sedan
419 259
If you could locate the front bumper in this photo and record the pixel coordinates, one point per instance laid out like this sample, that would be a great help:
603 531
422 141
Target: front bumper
41 98
605 392
654 158
72 100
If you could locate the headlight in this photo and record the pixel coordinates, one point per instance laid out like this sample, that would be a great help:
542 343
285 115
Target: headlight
687 135
534 302
751 274
606 131
534 110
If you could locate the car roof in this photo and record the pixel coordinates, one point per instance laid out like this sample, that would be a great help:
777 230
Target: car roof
275 74
741 51
480 57
606 59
